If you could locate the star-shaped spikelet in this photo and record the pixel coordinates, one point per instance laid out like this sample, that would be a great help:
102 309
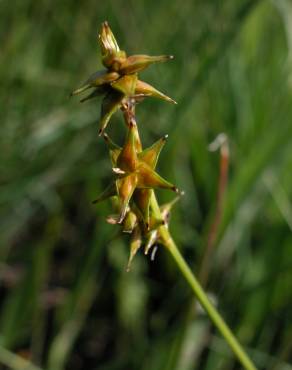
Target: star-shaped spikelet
119 80
135 174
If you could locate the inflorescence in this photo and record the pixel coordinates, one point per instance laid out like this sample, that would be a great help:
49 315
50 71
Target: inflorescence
134 174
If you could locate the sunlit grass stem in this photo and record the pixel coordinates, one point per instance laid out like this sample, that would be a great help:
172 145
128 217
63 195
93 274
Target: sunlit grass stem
200 294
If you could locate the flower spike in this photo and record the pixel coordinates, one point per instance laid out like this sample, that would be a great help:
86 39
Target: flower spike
133 169
140 170
120 76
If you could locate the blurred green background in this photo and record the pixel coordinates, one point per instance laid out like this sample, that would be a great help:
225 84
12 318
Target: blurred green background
66 301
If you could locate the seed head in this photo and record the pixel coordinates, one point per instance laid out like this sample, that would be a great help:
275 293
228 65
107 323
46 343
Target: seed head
119 81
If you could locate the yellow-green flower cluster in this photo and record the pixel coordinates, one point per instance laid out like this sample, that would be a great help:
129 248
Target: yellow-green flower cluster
134 174
119 80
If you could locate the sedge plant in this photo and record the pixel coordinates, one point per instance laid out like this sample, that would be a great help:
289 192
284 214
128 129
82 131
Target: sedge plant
134 177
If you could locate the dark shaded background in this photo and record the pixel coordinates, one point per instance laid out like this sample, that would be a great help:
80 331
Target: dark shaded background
66 300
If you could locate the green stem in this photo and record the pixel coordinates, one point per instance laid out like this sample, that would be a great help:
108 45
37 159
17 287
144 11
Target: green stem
200 294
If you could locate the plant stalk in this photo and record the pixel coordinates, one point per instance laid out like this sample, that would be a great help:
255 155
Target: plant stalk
200 294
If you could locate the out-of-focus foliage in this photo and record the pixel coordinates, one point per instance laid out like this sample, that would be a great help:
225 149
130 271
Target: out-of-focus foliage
66 299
